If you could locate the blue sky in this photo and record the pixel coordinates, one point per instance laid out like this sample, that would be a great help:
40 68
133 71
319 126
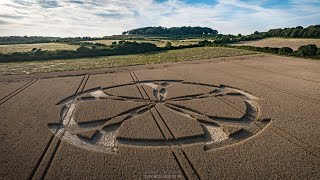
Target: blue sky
68 18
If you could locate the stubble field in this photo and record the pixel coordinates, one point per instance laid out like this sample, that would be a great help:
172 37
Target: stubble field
280 42
6 49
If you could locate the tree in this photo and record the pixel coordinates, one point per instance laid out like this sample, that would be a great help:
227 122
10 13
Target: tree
295 33
285 51
168 45
318 52
205 42
83 49
309 50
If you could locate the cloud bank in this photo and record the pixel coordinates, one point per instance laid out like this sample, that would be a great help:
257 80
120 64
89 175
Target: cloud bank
68 18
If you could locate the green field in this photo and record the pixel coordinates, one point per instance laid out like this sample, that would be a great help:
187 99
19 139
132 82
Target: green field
117 61
6 49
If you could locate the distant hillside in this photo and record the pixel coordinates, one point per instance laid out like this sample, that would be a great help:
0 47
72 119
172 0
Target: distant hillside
185 30
39 39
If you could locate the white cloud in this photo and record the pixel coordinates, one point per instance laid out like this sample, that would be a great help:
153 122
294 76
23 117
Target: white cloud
107 17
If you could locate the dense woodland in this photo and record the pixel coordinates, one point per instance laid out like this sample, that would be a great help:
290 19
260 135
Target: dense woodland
296 32
185 30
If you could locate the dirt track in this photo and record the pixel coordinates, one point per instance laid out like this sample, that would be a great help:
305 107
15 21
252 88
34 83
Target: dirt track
234 118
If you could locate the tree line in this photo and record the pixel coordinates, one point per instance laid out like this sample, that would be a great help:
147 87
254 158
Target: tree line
305 51
125 48
90 50
185 30
296 32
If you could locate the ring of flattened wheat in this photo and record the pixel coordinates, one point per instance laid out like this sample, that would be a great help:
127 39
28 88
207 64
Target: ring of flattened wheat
102 135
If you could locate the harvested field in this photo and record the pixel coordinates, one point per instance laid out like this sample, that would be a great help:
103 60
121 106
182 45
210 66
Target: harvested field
248 117
280 42
9 89
102 109
175 120
221 110
25 136
6 49
149 130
